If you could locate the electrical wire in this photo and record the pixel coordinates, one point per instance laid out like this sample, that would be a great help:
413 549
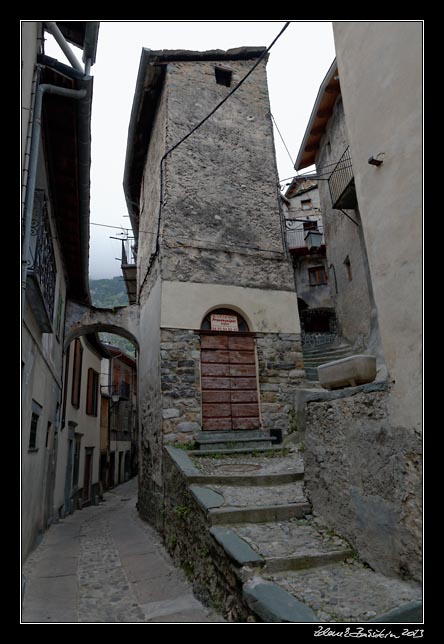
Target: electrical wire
184 138
282 138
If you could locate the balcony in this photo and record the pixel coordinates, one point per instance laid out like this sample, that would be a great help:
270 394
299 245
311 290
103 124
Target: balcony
41 276
296 231
129 268
342 184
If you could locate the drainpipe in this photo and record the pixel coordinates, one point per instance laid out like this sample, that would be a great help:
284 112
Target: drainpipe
55 31
32 170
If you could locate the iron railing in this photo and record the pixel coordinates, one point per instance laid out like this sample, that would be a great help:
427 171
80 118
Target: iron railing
129 256
42 265
295 233
342 184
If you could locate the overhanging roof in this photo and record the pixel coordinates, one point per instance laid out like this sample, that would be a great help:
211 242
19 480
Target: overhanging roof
66 132
321 113
148 87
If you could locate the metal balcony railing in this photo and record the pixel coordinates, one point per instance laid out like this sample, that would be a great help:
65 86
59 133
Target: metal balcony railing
295 233
42 268
129 256
342 183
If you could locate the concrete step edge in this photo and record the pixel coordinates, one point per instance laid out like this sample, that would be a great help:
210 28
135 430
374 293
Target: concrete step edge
255 514
253 480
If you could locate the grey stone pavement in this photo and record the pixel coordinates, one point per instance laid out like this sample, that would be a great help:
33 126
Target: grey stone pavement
103 564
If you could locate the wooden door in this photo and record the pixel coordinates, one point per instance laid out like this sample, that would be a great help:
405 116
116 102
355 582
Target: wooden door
229 383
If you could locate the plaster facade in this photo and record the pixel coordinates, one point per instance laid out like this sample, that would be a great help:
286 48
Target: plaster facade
349 277
390 196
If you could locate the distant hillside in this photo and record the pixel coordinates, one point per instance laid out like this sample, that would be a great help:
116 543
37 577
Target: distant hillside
106 294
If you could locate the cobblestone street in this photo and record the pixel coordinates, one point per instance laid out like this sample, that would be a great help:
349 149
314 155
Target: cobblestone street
103 564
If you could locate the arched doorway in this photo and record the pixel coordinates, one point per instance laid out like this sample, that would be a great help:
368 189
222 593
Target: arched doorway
229 383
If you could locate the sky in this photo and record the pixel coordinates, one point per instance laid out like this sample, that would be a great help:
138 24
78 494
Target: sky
297 65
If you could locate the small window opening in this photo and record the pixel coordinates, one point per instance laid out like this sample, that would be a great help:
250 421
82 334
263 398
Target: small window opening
306 204
223 76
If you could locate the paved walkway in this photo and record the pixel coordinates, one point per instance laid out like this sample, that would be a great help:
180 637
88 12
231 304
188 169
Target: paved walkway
103 564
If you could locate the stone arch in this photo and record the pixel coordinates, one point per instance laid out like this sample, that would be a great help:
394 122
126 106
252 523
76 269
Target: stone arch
81 320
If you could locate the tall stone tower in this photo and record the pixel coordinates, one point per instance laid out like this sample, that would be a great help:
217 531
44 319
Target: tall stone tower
220 350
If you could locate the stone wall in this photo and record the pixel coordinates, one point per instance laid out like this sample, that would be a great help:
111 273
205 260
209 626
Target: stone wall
281 370
180 378
363 476
185 532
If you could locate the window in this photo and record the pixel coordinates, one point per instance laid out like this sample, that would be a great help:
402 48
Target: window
77 374
223 76
33 434
306 204
92 392
347 265
317 276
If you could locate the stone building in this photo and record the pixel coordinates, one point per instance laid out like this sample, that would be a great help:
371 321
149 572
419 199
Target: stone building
56 108
219 332
306 244
77 475
326 145
363 465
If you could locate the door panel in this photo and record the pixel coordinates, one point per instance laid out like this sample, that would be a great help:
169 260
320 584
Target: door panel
216 383
240 343
229 383
242 370
243 383
245 396
245 423
214 342
242 357
216 410
217 396
214 356
217 424
212 369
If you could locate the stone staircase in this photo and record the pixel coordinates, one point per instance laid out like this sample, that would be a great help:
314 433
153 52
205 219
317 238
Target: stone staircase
315 356
292 568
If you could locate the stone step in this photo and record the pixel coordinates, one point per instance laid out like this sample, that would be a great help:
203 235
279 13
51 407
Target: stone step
326 348
327 357
264 514
256 480
249 443
231 440
293 544
225 504
271 465
348 592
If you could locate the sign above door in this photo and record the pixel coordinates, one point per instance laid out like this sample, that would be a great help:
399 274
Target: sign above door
221 322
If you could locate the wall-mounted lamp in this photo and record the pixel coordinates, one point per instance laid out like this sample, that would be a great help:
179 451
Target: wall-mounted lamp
375 161
313 240
115 396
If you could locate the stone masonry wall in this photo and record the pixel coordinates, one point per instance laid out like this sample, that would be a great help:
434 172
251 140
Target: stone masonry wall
221 217
363 476
180 382
185 532
281 370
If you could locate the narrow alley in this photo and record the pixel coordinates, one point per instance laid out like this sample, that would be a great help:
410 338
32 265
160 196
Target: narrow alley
105 565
